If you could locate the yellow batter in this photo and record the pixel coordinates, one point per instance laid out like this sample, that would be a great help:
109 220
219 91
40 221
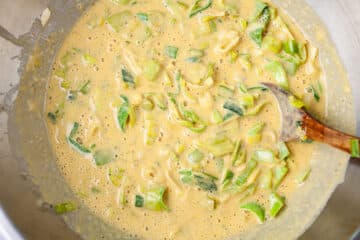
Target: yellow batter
159 121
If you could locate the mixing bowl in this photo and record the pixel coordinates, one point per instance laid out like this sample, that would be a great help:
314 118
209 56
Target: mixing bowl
23 215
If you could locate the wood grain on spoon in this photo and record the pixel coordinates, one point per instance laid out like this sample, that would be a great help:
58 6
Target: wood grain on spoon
313 129
320 132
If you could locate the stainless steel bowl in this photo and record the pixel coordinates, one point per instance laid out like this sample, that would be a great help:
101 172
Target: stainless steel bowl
19 212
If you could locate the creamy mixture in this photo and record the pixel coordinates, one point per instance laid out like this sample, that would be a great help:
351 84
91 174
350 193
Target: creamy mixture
159 121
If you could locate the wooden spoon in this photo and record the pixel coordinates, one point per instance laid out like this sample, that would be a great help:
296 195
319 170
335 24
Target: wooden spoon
294 118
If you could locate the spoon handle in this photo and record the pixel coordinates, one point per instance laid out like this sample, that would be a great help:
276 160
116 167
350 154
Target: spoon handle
319 132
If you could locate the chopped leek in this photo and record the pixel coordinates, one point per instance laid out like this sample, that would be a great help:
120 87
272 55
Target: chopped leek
74 142
301 178
259 9
255 208
151 132
271 44
139 201
144 17
315 93
284 152
151 69
265 156
199 6
65 207
102 157
153 199
279 174
245 174
195 157
254 133
355 152
217 147
279 74
216 117
232 107
257 35
291 47
88 59
116 175
295 102
119 20
266 180
202 180
238 155
247 100
171 51
126 114
228 176
127 77
276 204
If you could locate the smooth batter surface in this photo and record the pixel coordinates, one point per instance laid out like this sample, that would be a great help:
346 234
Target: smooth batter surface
153 148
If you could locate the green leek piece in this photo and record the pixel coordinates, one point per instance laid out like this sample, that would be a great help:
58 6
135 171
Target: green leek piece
147 104
254 133
247 100
355 152
232 107
195 55
153 199
88 59
171 51
119 20
186 93
95 190
126 114
225 91
58 113
265 156
257 35
295 102
195 157
255 208
123 2
216 117
291 47
271 44
238 155
276 204
151 132
192 121
205 182
315 93
144 17
228 176
158 98
85 88
65 207
199 6
245 174
279 74
74 142
279 174
151 69
116 175
301 178
233 56
255 110
182 4
260 6
102 157
127 77
216 147
284 152
266 180
186 176
139 201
